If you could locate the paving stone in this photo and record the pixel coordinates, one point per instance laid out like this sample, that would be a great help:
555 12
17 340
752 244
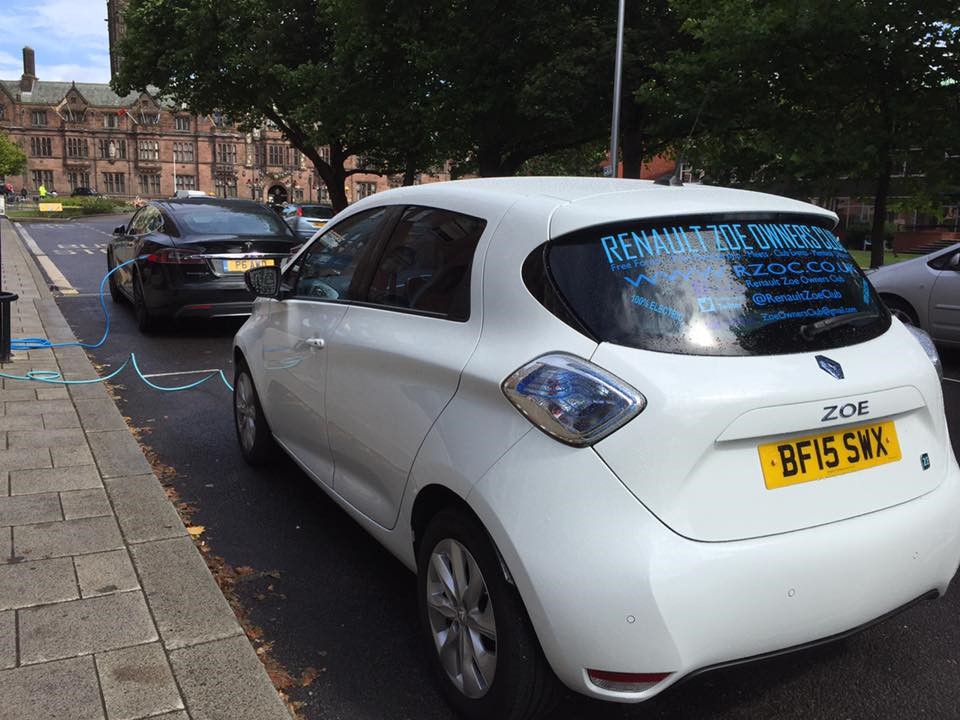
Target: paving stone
93 391
118 454
186 602
59 421
79 627
66 690
25 459
8 639
225 679
59 479
37 583
100 414
45 438
85 503
38 407
71 456
6 546
143 509
136 682
4 483
70 537
24 391
21 422
179 715
105 573
28 509
52 393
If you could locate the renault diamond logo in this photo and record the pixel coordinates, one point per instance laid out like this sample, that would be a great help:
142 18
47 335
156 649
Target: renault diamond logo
830 366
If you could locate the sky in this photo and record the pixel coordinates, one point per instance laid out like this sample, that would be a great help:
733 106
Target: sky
69 38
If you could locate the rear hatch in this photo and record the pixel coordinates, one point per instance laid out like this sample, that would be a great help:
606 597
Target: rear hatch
227 255
780 395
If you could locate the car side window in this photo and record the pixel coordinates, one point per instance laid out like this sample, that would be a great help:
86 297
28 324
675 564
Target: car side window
153 220
427 261
325 271
138 223
950 261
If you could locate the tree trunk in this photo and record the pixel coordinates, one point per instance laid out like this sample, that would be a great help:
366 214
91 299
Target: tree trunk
409 173
489 162
878 232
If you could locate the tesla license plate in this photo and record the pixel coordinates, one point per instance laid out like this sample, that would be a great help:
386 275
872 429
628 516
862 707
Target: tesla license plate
244 265
814 457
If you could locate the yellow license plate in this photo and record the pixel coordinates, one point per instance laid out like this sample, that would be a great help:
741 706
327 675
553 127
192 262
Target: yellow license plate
814 457
244 265
319 223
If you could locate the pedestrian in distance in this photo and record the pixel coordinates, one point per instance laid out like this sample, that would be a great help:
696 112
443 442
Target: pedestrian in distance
42 190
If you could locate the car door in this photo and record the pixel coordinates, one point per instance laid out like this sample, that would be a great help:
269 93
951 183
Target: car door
124 246
317 288
395 360
944 309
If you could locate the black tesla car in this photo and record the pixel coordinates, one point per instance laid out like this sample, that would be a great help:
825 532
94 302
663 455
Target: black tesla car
190 256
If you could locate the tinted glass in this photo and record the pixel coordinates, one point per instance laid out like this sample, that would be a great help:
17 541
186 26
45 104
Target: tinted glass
731 285
326 269
225 220
317 211
427 261
138 223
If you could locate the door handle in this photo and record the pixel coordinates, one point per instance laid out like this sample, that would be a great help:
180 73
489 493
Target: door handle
317 343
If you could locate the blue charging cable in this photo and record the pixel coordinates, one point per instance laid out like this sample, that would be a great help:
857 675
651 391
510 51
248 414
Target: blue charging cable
53 377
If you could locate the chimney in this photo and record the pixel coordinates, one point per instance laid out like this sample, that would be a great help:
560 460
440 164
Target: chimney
29 76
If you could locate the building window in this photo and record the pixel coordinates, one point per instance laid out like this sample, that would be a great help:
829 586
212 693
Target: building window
325 153
183 152
365 189
3 112
41 147
186 182
148 117
38 118
112 149
226 187
148 150
150 184
226 153
298 194
77 148
73 116
277 155
183 124
114 183
323 195
220 120
110 120
259 155
43 177
78 179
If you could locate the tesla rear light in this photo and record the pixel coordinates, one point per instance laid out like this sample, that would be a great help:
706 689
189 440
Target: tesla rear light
572 400
173 256
625 682
299 212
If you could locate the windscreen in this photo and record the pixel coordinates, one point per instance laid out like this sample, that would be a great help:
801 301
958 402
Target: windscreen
317 211
224 220
716 285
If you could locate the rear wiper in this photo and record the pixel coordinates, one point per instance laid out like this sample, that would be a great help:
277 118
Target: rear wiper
811 330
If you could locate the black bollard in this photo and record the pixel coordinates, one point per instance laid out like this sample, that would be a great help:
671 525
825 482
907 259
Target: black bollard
5 299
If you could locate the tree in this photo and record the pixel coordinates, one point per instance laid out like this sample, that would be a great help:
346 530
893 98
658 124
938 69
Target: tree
796 94
13 161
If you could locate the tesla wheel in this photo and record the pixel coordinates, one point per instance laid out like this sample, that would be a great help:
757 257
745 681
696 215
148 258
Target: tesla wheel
253 433
112 280
485 653
145 321
901 310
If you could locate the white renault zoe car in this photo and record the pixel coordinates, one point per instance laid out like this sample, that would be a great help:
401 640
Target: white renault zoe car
622 432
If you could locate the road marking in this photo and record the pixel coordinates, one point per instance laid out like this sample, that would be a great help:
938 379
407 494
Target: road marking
58 281
182 372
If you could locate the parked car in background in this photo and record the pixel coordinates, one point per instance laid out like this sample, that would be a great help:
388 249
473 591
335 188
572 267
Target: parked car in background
305 220
622 432
84 192
924 292
190 256
180 194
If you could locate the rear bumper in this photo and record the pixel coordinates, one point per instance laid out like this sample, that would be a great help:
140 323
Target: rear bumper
219 298
609 587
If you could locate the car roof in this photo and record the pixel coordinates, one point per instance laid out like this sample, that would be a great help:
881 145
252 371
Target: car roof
584 201
175 205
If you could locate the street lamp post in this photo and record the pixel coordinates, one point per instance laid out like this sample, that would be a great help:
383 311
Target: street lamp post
617 81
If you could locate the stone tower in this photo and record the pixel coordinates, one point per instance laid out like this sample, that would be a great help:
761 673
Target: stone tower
115 10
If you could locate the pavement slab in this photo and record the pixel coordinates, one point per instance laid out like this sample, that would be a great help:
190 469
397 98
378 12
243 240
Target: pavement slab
46 438
81 627
118 454
28 509
65 690
25 458
85 503
8 639
71 456
82 477
55 421
143 509
137 682
37 583
70 537
105 573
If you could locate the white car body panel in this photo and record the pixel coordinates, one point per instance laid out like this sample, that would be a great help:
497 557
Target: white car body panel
618 549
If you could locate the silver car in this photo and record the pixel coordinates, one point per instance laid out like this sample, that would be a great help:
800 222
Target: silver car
305 220
925 292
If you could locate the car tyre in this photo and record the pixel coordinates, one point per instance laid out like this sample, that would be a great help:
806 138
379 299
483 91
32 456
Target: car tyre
484 651
112 280
145 321
253 433
902 310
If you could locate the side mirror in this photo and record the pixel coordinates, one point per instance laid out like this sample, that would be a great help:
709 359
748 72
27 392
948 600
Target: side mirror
263 281
120 230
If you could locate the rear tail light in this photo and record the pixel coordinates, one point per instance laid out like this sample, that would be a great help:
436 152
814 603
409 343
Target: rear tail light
625 682
299 212
173 256
926 342
571 399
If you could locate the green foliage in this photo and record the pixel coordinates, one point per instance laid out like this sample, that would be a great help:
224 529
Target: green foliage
13 160
584 160
89 205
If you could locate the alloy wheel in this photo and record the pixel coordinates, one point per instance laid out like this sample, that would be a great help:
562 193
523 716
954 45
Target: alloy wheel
462 623
246 411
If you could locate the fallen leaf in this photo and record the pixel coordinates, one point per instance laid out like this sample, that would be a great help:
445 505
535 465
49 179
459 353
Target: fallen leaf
308 676
196 530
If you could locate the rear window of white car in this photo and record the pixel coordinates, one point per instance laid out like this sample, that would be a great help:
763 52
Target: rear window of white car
744 284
